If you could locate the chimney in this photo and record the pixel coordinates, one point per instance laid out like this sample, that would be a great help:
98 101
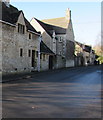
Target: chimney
7 2
68 14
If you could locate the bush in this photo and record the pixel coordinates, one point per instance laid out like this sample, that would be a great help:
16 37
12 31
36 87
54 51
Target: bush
100 58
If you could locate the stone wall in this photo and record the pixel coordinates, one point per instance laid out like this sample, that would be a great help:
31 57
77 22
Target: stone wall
0 47
70 46
44 62
60 62
61 45
12 42
45 36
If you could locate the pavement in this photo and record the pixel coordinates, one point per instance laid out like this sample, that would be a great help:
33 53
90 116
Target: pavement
65 93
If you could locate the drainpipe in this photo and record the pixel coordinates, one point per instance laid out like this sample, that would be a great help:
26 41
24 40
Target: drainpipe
39 39
54 42
54 48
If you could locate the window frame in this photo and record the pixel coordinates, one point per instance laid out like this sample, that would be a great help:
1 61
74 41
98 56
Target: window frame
21 28
60 39
21 52
30 36
36 54
29 53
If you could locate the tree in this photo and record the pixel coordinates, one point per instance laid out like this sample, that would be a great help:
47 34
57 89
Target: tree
99 47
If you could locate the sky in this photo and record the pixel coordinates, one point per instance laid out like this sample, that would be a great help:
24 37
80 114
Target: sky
86 16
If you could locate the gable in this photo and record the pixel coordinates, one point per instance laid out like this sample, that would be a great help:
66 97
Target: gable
70 32
37 26
21 19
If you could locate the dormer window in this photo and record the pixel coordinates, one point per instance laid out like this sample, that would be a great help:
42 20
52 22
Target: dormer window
21 28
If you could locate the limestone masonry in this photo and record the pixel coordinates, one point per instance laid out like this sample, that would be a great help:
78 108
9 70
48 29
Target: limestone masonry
39 45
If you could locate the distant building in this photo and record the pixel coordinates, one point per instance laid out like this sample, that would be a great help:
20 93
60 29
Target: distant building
58 35
84 55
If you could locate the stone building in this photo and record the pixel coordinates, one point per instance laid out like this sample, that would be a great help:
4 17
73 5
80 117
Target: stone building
84 55
88 55
79 60
20 42
58 35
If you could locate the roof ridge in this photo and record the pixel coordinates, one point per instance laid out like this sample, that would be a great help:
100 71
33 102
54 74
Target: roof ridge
49 28
54 18
49 24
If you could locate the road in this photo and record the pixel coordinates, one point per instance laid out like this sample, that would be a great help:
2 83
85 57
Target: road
67 93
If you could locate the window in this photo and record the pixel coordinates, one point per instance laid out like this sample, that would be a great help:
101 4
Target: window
21 52
60 39
29 36
44 57
29 53
54 40
36 53
21 28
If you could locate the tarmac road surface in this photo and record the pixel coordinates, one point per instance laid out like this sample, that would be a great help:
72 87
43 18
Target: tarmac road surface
66 93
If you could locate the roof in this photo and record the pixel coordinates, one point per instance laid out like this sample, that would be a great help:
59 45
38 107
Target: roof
87 48
10 14
80 44
29 26
60 22
45 49
50 28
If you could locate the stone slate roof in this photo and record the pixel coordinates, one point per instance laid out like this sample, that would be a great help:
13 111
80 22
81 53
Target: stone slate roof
49 28
45 49
60 22
29 26
87 48
10 14
80 44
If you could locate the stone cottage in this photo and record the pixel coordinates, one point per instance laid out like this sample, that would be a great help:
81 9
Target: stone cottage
88 55
84 55
58 35
79 60
20 42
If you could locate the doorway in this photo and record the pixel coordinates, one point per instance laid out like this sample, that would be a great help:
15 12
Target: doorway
50 62
33 58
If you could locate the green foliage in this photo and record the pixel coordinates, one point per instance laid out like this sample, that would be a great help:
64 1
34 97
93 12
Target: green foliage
100 58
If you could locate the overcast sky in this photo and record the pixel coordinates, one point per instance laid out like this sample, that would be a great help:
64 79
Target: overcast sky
86 16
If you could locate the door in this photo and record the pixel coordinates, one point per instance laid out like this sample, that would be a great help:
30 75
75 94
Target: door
33 58
50 62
